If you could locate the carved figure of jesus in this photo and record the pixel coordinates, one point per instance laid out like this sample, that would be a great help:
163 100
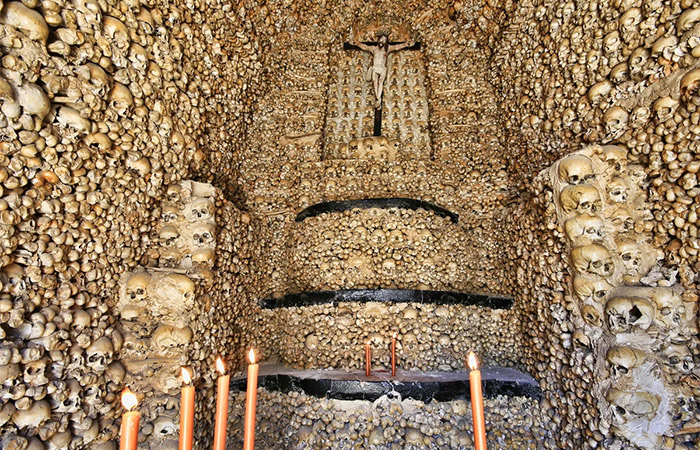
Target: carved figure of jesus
380 52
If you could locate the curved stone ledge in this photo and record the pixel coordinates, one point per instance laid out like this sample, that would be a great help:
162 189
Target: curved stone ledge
388 296
382 203
422 386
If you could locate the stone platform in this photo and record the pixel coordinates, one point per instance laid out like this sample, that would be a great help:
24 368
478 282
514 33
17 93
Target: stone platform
416 385
388 296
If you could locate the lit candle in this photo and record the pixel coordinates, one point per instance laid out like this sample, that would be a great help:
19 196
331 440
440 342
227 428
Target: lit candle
477 402
221 406
251 398
368 359
393 355
130 422
186 412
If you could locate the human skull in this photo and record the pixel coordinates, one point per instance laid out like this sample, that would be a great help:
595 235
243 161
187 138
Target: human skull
593 259
168 235
115 373
34 417
638 59
669 306
203 235
591 316
120 99
67 400
170 213
622 359
69 121
575 169
201 209
169 336
583 199
35 372
616 120
679 358
99 354
116 32
631 256
637 174
164 426
137 285
591 288
173 293
622 219
583 227
204 257
615 157
665 108
169 256
625 313
628 406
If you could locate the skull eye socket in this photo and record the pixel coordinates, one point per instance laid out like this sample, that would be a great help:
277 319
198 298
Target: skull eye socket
665 311
674 360
600 294
597 264
623 370
620 410
635 314
574 178
626 257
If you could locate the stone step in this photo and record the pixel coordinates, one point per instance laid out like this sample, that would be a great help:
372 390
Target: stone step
382 203
416 385
302 299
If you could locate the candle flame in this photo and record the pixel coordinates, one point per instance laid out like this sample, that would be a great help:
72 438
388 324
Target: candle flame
186 376
395 334
368 343
220 366
129 400
472 361
251 356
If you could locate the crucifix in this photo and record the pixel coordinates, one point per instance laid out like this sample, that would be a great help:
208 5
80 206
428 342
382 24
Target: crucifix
380 51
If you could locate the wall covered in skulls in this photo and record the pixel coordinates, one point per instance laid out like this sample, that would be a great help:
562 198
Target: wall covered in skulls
107 106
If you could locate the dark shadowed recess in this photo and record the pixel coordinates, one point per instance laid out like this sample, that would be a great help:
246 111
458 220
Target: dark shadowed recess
382 203
423 386
388 296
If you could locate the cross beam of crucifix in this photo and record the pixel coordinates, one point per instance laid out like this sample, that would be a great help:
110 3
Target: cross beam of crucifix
380 51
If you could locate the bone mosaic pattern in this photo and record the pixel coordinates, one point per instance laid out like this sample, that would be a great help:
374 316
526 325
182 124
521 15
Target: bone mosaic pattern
104 104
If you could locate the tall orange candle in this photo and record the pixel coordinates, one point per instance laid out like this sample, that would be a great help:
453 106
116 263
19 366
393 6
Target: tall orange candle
368 359
251 398
393 355
186 412
129 434
221 406
477 402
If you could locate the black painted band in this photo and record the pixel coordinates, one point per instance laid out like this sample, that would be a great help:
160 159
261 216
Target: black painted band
495 382
388 296
382 203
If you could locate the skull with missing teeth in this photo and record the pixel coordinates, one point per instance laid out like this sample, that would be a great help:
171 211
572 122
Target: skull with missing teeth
203 235
626 313
618 190
593 259
584 226
582 199
670 307
629 406
201 209
137 285
591 288
631 255
624 358
575 169
679 359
